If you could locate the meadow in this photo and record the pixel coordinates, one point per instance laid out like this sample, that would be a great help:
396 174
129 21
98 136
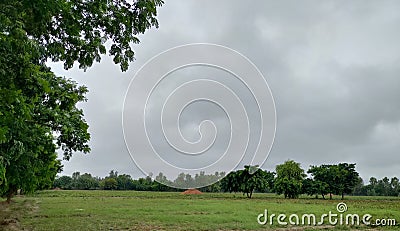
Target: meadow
131 210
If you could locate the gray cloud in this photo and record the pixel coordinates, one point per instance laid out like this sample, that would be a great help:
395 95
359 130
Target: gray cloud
332 67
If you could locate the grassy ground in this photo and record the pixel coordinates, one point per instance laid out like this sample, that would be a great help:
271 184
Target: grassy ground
129 210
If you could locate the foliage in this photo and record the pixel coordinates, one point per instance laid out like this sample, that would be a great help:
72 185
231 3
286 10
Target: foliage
109 184
314 187
38 112
289 179
77 30
245 182
263 181
382 187
338 179
63 182
38 115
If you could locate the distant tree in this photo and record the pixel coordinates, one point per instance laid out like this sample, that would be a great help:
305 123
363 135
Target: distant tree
340 179
113 174
76 175
395 187
310 187
270 179
259 180
384 186
86 181
289 179
323 178
143 184
231 183
109 184
346 178
189 181
359 188
124 182
63 182
180 181
245 182
214 187
373 181
160 183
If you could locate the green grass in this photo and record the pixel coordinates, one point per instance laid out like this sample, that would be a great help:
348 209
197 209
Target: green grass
129 210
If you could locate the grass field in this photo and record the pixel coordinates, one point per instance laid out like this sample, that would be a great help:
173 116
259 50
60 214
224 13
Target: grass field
130 210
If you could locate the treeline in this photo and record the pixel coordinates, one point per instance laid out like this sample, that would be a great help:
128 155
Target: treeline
115 181
288 179
382 187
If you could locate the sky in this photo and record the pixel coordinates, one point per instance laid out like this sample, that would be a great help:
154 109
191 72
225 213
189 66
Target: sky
332 67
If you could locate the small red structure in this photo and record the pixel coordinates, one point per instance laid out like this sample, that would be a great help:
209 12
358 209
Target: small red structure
191 191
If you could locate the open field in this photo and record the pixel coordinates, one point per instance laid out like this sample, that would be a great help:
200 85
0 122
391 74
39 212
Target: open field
130 210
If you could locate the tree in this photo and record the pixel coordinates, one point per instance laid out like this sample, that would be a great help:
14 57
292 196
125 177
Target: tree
76 30
360 189
113 174
345 178
323 179
180 181
124 182
85 182
289 179
161 182
213 181
253 178
38 112
315 187
38 115
394 187
231 183
63 182
246 182
109 184
339 179
386 187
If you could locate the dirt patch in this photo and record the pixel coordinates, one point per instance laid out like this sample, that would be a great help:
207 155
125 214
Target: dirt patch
11 214
191 191
8 220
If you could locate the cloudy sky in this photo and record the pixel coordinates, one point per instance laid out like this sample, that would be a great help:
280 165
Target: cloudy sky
332 66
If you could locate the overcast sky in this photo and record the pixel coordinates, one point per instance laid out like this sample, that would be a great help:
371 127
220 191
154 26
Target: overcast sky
332 66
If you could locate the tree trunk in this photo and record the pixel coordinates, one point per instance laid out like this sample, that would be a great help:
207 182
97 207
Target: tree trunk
342 196
11 192
323 196
330 196
9 196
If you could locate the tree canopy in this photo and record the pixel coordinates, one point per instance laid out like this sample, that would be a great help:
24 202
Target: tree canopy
38 110
338 179
248 180
289 179
77 30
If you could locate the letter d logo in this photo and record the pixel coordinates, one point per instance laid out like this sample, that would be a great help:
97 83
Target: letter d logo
265 215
